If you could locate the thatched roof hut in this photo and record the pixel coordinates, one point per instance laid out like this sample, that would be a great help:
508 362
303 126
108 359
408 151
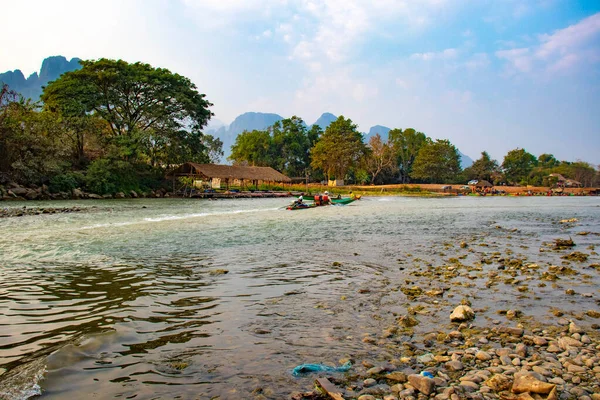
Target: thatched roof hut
483 183
228 172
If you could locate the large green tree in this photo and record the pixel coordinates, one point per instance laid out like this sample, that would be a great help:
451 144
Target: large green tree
406 144
253 147
437 162
291 146
149 111
340 148
483 168
518 164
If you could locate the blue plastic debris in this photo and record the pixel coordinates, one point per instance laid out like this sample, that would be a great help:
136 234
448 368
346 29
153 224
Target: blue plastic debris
308 368
427 374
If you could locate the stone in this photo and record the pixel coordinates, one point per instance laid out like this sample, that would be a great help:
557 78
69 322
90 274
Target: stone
397 376
566 342
521 350
469 386
574 328
423 384
514 331
462 313
454 365
375 371
367 397
369 382
483 356
120 195
540 341
133 194
526 383
498 383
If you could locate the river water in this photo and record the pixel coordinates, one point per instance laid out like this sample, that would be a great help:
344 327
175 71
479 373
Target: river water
130 299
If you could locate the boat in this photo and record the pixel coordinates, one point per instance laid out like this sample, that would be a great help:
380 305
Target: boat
345 200
301 206
309 203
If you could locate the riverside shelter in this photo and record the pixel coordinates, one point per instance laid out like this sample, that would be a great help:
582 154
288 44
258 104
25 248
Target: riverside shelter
228 174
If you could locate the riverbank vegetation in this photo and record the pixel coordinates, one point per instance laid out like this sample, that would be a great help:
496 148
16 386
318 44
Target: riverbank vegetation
114 127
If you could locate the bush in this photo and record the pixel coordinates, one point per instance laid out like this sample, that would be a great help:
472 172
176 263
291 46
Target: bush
66 182
112 176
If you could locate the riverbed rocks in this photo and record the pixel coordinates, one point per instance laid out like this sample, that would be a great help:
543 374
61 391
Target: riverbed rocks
12 191
25 211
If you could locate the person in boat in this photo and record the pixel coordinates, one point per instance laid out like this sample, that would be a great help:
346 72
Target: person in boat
352 195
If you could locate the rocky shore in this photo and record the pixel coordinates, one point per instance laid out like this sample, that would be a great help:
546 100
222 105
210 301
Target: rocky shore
504 362
516 355
15 192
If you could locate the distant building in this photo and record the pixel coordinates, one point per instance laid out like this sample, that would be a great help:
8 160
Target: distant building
561 181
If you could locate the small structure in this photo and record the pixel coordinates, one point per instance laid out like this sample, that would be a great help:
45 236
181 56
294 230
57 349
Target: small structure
563 182
483 186
228 174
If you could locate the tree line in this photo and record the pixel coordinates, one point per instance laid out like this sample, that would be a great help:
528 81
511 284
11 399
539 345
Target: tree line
406 156
108 127
112 126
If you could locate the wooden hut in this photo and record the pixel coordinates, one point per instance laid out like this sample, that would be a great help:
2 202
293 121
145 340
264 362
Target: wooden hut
483 186
228 174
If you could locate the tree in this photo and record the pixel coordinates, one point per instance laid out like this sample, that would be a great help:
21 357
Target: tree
379 158
252 147
291 146
406 145
145 108
483 169
31 148
518 164
437 162
547 161
339 149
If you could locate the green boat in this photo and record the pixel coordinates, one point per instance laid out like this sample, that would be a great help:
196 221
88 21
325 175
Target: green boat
346 200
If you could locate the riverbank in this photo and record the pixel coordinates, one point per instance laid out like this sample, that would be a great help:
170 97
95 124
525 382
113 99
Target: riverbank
515 355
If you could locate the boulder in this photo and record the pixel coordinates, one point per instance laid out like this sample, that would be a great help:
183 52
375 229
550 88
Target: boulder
462 313
120 195
94 196
423 384
133 194
77 193
526 383
498 383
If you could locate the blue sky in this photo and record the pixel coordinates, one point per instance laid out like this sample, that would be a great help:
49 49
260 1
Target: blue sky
488 75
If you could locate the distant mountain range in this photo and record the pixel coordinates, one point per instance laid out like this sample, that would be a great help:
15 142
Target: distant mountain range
52 68
254 120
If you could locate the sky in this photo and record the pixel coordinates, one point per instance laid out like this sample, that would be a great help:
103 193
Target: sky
489 75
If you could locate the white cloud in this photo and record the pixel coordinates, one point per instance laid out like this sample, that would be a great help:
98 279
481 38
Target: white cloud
447 54
562 51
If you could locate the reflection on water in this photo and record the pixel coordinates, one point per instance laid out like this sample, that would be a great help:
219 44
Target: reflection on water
131 299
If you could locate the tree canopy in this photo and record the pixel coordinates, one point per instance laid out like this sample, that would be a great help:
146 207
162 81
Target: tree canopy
437 161
406 145
518 164
340 148
151 113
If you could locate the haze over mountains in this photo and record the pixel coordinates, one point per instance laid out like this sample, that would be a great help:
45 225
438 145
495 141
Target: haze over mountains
54 67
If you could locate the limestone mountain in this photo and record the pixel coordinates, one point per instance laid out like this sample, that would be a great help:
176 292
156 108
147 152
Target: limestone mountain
52 68
325 119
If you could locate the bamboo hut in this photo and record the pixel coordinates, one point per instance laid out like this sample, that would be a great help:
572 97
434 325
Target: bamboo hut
228 174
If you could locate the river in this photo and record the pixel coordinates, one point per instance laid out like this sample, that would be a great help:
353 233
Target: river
183 298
